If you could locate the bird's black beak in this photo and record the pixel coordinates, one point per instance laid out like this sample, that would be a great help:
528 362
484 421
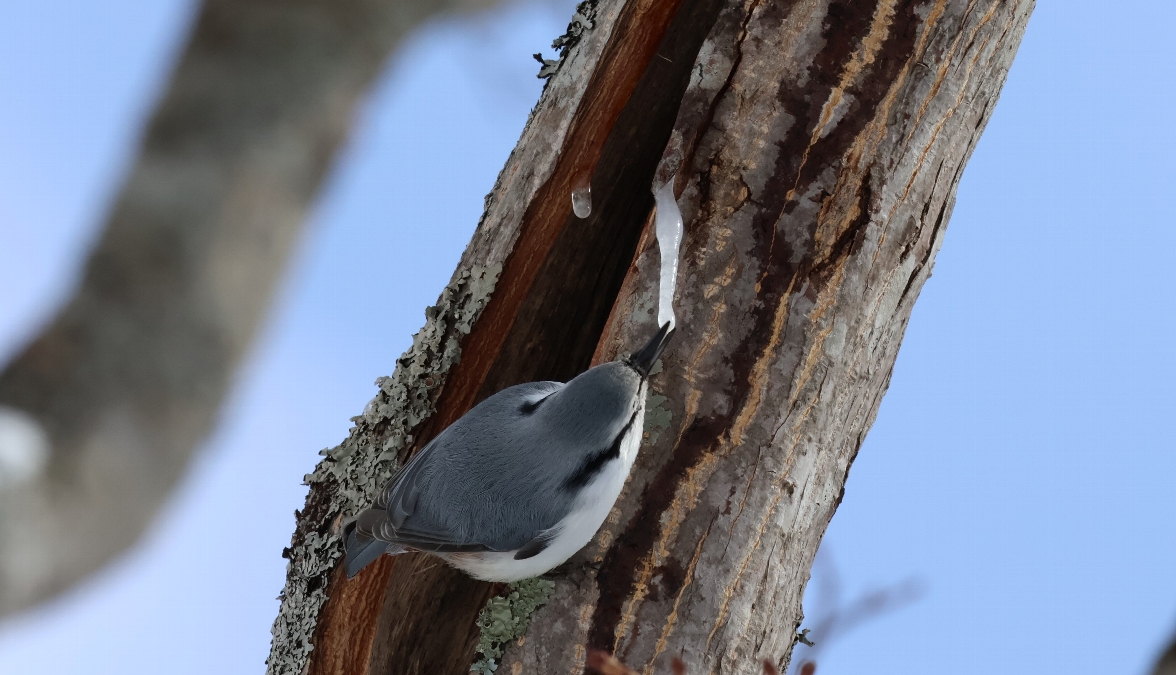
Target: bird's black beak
643 359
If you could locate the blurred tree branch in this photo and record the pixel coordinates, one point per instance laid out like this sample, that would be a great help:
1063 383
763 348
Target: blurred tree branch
127 380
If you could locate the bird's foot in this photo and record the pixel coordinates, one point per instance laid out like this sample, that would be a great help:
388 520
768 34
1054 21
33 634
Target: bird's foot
575 571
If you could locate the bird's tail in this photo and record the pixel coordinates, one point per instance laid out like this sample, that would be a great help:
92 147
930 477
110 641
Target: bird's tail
362 546
361 551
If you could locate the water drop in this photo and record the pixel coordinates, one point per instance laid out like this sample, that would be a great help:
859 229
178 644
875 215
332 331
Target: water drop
668 226
582 201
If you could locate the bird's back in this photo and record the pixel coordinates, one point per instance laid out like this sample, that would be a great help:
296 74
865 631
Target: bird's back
504 472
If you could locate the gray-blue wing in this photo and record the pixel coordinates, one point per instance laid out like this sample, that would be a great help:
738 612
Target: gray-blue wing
404 525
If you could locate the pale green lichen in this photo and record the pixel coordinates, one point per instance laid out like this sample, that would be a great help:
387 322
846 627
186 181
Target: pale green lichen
347 478
582 21
507 618
657 418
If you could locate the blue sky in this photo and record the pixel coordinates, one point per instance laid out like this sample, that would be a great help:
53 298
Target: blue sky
1021 468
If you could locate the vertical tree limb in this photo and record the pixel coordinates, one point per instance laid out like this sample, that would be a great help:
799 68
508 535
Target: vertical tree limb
817 148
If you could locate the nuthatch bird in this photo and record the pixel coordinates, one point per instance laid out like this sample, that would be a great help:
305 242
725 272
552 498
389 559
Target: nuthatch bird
522 481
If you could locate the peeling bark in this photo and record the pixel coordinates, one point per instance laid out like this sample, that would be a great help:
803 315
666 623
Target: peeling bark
127 380
817 146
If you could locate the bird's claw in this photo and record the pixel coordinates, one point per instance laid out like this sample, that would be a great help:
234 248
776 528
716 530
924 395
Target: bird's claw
576 572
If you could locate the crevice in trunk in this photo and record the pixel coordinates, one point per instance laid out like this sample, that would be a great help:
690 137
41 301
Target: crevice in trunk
554 297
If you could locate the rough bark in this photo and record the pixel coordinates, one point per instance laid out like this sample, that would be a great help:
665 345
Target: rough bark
127 380
817 145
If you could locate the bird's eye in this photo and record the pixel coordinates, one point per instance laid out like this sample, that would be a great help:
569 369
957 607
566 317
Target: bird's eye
529 407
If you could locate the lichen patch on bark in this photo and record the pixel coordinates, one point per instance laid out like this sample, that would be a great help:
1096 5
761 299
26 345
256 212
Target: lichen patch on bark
347 478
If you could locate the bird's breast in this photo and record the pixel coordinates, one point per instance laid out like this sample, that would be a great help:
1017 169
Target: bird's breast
596 498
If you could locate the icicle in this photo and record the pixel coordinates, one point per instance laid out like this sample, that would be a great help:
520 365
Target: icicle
582 197
582 202
668 225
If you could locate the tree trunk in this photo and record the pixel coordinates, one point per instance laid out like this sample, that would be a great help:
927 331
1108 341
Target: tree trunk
126 382
816 146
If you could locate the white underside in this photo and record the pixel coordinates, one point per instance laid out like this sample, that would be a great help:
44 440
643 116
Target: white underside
573 532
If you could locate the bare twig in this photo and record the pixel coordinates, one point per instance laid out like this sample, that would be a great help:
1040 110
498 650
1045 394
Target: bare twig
835 619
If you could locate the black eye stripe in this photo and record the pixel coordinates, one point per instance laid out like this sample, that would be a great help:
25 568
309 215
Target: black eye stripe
592 466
